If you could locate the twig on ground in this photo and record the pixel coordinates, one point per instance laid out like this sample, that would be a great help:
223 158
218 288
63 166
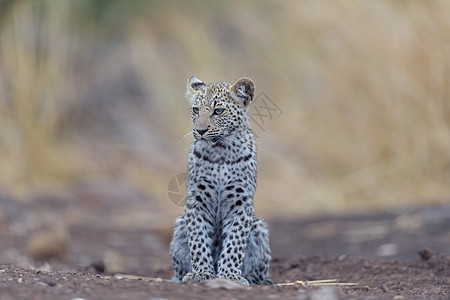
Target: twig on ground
324 282
136 277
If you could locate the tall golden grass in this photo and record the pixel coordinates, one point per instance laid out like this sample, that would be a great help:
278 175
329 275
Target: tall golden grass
363 86
33 61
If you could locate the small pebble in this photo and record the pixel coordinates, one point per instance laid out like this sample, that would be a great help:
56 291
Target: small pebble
435 290
41 283
342 257
51 283
384 288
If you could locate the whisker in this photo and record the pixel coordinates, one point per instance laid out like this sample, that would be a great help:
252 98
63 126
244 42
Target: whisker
190 132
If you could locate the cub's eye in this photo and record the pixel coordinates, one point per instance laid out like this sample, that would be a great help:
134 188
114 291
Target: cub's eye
195 110
219 111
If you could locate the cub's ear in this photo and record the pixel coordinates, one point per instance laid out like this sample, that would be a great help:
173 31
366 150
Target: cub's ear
243 91
193 85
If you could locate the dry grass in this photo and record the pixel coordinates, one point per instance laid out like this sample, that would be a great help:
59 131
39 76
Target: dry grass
363 86
33 64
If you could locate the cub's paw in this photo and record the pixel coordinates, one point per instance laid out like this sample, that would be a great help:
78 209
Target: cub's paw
197 277
235 278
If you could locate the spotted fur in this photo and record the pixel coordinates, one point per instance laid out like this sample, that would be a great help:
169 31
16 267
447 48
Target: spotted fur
217 235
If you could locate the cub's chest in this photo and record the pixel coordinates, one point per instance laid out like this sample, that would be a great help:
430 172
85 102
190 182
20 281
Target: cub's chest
221 168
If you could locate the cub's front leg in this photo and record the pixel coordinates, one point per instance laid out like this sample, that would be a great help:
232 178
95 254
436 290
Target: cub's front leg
200 228
237 223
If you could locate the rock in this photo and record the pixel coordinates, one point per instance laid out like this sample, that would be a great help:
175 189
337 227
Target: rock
325 293
384 288
220 283
51 282
98 266
114 261
426 253
342 257
47 244
365 288
389 249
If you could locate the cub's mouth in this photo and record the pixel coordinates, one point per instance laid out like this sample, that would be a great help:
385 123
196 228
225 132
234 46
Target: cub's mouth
214 139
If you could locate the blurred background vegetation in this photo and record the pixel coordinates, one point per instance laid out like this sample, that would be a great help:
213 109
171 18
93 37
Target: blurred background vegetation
92 94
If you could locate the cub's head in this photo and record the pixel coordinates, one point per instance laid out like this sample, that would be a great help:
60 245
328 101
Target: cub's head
219 109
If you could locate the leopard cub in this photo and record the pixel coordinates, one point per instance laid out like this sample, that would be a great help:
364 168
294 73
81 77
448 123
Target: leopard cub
217 235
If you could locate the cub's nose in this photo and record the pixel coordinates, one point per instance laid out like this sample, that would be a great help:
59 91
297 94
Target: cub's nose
201 131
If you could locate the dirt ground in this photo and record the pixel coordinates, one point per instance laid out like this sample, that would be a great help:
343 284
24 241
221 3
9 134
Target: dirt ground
376 280
94 252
